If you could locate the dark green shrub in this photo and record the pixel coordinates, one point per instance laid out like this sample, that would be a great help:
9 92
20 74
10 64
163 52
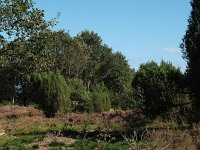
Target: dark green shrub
157 87
100 97
80 97
51 92
127 101
81 101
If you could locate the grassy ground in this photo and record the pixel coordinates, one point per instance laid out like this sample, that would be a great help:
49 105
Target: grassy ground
26 128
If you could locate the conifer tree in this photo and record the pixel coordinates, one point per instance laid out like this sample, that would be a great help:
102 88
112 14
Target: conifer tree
191 51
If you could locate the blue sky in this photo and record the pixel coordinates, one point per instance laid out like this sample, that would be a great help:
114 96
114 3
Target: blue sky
143 30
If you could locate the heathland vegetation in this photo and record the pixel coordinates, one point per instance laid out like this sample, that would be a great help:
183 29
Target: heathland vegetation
90 96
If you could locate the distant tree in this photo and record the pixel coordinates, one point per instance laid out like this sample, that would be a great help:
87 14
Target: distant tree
47 48
73 59
120 74
97 55
191 52
103 65
117 77
157 87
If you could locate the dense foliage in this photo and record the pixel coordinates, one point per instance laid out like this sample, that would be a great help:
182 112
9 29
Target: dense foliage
51 91
191 52
157 86
63 73
101 98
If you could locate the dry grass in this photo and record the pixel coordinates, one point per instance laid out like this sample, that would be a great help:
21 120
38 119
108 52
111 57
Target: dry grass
49 138
171 139
16 120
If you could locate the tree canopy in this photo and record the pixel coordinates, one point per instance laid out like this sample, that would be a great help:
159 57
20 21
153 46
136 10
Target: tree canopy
63 73
191 51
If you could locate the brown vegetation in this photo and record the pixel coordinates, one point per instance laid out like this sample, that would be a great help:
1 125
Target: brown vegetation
16 120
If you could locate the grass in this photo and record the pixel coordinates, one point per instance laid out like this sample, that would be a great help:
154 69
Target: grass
18 142
91 145
56 144
27 132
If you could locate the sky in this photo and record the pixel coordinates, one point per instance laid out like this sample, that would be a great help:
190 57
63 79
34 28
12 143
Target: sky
142 30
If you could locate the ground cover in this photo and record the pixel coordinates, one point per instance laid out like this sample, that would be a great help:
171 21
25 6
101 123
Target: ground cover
28 128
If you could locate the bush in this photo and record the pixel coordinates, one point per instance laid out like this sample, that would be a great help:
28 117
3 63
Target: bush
101 98
157 86
80 97
98 99
81 101
127 101
51 92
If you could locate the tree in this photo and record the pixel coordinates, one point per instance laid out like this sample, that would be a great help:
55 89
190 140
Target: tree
51 92
117 76
191 52
97 52
19 21
73 59
120 74
103 65
157 87
47 48
100 98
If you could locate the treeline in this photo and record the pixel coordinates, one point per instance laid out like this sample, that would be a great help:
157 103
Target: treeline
53 67
61 73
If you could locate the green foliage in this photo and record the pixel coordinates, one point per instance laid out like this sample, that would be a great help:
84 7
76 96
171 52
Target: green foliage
98 54
46 48
19 22
157 86
18 142
100 97
127 100
90 145
81 101
20 19
80 97
7 90
190 48
103 65
52 92
73 59
120 77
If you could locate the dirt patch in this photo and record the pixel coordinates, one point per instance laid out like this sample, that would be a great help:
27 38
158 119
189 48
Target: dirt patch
44 144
